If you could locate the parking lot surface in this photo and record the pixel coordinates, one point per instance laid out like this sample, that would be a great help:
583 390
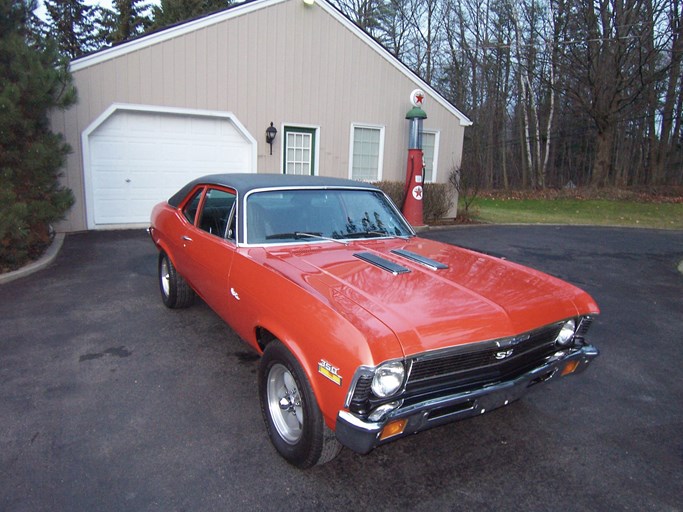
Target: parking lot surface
110 401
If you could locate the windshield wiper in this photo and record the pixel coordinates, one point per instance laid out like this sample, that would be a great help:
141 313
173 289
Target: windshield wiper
319 236
297 235
364 234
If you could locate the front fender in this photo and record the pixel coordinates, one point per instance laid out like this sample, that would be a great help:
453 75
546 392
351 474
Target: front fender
328 334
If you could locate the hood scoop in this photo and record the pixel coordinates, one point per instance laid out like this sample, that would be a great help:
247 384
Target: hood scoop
382 263
422 260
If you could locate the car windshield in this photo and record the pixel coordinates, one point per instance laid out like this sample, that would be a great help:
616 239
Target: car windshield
285 216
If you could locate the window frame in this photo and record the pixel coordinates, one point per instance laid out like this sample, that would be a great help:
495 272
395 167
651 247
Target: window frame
231 214
197 193
380 156
435 159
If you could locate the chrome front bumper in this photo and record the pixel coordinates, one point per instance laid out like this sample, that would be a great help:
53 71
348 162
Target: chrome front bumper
362 436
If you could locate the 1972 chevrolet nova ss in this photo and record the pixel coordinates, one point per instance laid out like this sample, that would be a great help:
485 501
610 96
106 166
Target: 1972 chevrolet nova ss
367 332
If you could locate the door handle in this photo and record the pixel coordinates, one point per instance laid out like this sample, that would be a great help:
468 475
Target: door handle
186 238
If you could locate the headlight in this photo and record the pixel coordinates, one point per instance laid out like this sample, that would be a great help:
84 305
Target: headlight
388 379
566 336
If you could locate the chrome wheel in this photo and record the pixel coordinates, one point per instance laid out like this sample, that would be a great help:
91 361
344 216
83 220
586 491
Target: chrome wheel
284 404
175 291
165 277
290 410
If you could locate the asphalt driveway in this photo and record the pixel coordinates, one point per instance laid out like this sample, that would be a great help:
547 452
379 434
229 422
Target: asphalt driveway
110 401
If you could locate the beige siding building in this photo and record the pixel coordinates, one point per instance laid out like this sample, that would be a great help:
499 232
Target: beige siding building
197 98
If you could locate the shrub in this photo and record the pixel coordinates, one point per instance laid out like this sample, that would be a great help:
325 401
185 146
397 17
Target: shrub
394 189
467 192
437 198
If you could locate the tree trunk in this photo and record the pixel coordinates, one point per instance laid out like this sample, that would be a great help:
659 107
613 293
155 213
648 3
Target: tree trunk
603 157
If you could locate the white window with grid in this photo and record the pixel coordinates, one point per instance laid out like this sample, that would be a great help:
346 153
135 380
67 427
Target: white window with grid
430 150
299 153
366 153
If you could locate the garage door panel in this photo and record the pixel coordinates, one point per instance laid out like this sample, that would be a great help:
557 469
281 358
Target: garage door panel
142 123
109 209
141 207
110 181
106 149
210 128
143 184
141 152
137 159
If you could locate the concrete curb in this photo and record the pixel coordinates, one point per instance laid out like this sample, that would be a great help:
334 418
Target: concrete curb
47 258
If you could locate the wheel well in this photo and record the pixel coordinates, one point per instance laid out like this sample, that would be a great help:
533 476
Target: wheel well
264 337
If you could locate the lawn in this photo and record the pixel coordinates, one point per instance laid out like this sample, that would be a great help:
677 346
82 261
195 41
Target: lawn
662 215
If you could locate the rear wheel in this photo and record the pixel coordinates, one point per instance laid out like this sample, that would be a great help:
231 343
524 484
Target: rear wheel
175 292
290 411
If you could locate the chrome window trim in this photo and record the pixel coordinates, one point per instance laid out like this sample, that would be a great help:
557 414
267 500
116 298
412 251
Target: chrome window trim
244 221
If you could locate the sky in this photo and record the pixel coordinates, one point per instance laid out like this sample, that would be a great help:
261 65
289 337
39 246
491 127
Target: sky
40 12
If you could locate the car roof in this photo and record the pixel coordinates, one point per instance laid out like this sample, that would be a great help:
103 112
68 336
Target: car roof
243 183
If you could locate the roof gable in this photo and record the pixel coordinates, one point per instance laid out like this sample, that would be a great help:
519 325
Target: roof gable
245 8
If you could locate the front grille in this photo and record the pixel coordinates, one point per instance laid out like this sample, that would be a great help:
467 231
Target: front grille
361 393
583 327
504 361
465 367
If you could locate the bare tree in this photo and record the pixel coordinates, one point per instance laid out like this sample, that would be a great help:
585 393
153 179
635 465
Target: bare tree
559 90
670 111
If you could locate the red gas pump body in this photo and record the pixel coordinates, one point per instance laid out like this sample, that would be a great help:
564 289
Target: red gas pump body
412 205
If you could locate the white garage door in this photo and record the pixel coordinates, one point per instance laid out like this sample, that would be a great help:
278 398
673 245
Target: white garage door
134 159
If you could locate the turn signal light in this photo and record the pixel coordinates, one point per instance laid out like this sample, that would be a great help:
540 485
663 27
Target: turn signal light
392 429
570 367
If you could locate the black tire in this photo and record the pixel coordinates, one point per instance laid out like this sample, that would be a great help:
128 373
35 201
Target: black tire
290 411
175 292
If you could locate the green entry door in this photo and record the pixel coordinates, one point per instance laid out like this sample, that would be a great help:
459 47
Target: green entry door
299 150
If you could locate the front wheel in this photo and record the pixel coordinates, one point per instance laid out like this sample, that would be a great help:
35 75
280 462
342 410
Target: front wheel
175 292
290 411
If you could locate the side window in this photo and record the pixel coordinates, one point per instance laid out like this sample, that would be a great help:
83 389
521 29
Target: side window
217 212
190 210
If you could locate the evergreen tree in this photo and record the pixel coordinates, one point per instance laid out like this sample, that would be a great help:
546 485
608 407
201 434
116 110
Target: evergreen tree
126 21
73 24
170 12
33 80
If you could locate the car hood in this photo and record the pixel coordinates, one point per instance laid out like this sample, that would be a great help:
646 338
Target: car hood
475 297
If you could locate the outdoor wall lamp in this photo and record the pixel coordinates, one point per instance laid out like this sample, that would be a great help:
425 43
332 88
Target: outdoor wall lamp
271 132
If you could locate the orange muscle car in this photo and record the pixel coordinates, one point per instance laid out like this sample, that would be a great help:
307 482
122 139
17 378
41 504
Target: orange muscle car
367 332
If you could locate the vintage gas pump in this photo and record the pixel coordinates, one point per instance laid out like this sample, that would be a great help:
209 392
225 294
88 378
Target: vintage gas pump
412 205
